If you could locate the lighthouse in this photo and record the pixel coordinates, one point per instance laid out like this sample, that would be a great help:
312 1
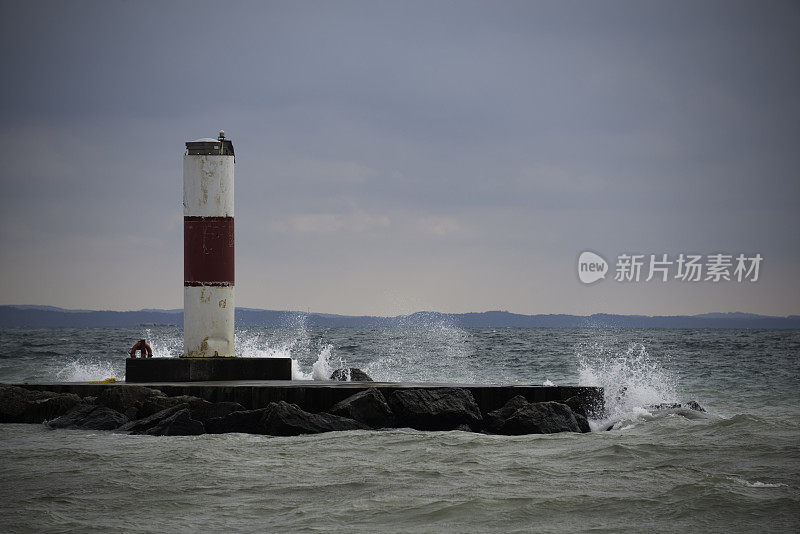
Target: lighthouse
208 281
208 248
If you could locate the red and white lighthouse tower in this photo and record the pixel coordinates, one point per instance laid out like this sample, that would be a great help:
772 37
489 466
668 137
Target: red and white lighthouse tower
208 280
208 248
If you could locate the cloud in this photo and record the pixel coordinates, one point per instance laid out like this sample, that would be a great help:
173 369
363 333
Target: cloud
438 226
330 223
461 153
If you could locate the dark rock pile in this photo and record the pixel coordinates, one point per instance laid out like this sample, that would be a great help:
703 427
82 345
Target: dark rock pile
350 374
436 409
20 405
141 410
520 417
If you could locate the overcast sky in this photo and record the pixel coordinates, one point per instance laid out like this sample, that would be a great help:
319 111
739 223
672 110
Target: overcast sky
401 156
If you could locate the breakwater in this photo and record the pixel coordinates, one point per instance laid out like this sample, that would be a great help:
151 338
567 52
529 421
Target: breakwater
318 396
287 408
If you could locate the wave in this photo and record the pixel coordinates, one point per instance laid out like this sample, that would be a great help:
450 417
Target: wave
89 371
632 381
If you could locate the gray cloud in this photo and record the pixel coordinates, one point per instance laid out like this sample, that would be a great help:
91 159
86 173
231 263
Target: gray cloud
455 155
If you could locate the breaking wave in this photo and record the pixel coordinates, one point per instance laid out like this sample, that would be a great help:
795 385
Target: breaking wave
632 380
82 370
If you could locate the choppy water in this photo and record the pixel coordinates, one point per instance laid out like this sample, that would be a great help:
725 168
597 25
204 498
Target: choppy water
735 469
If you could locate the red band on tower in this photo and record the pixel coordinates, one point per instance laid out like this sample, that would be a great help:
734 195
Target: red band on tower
208 251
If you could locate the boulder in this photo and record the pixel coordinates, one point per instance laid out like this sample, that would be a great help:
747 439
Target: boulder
146 423
663 406
210 410
245 421
691 405
495 418
689 410
41 410
124 397
589 404
284 419
350 374
14 402
435 409
177 424
694 405
368 407
157 403
280 419
22 405
89 417
201 410
583 423
539 418
578 405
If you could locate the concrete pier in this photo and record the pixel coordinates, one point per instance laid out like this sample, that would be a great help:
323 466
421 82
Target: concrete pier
318 396
150 370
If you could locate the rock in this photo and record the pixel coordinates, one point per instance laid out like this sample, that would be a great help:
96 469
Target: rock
589 404
89 417
246 422
122 397
22 405
14 402
689 410
518 416
41 410
578 406
368 407
663 406
691 405
284 419
463 428
583 423
177 424
694 405
280 419
495 418
435 409
146 423
157 403
208 410
539 418
351 374
201 410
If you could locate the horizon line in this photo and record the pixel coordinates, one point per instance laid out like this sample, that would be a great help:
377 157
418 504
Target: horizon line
44 307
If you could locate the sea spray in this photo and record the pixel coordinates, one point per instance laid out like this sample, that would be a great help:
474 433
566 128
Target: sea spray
164 342
632 379
322 369
431 352
293 342
83 370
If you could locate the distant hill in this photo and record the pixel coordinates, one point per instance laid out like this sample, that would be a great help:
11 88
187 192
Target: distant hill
48 316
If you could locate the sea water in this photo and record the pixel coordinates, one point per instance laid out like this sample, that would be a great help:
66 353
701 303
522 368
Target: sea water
734 468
